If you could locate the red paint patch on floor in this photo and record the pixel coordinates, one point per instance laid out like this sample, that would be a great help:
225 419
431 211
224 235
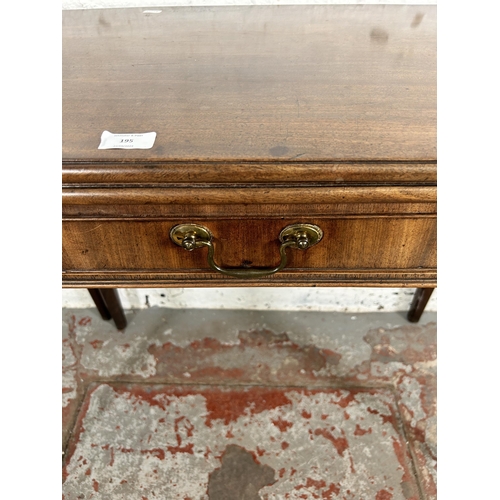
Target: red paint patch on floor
72 325
310 484
85 321
181 449
227 405
419 344
340 444
361 432
383 495
418 434
143 394
186 425
333 488
126 450
206 343
230 405
332 356
202 358
155 452
315 483
282 425
95 485
391 418
349 398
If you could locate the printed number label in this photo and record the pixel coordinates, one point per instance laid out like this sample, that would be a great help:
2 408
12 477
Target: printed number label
127 141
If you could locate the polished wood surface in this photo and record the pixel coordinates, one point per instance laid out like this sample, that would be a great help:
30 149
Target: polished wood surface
266 116
117 211
171 174
288 83
386 243
404 246
226 196
382 278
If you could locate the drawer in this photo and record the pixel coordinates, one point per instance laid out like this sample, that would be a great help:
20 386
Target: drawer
354 250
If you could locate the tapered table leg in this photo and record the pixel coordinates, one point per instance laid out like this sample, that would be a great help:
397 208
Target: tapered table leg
109 306
112 301
420 299
95 293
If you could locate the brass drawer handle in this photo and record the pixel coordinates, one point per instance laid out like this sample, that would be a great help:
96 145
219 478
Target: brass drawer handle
193 236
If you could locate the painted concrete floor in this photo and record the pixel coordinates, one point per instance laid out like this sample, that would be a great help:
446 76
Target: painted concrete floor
249 405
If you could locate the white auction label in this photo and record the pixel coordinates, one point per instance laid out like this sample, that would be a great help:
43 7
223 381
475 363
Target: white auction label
127 141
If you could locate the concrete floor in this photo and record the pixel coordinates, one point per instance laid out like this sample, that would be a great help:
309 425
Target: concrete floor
249 405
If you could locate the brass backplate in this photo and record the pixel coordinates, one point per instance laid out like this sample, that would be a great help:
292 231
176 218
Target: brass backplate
200 233
295 231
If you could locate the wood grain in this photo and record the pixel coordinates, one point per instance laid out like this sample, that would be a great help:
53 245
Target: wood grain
154 173
233 195
347 244
265 116
257 83
408 278
238 211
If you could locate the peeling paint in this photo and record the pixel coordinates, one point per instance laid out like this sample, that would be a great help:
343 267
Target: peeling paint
180 425
136 443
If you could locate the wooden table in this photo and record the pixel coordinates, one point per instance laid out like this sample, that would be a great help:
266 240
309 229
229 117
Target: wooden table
266 117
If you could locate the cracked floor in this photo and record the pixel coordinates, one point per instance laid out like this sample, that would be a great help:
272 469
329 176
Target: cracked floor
249 405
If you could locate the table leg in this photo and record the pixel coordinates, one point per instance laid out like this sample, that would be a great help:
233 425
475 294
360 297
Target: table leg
95 293
109 306
420 299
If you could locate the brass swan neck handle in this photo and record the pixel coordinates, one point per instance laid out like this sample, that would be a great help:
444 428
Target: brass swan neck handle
193 236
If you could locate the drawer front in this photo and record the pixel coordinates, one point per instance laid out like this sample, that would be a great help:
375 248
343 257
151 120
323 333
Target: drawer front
372 250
